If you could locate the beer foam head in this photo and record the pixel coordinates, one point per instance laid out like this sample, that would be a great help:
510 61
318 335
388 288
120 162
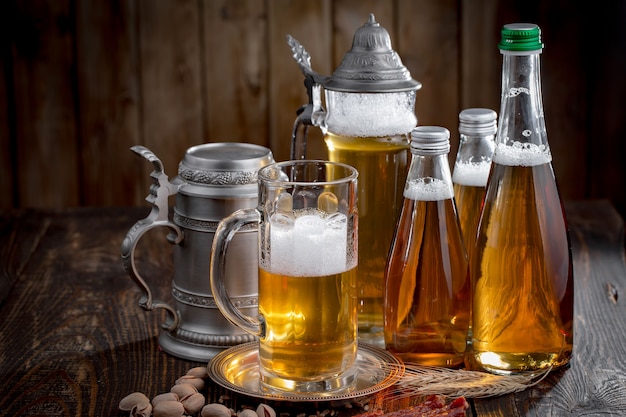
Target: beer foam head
472 174
428 189
370 114
309 243
522 154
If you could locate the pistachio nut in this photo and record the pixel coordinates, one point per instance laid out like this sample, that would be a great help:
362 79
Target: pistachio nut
141 410
264 410
192 380
247 413
199 372
127 403
166 396
193 403
183 390
215 410
168 409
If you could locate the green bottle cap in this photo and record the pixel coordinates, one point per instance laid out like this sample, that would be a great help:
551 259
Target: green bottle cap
520 37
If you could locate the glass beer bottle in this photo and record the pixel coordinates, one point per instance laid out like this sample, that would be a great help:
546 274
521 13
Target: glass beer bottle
477 130
427 285
522 267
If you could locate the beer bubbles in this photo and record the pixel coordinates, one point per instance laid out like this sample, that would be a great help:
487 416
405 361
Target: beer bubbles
309 242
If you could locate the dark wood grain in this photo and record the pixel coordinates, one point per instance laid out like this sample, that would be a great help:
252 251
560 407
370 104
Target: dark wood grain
109 102
81 82
46 145
73 340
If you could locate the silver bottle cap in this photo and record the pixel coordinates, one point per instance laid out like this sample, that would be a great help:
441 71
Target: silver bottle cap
478 122
430 140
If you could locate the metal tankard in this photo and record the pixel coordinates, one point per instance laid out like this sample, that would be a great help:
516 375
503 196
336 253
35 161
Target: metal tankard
214 180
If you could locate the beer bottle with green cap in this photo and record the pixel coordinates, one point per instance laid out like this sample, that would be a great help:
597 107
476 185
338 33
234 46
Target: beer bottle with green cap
521 267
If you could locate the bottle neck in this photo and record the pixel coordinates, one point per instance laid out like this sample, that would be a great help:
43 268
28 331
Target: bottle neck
475 148
521 137
473 160
429 178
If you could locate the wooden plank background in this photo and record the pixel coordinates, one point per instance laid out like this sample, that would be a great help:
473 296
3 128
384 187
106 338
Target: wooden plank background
83 81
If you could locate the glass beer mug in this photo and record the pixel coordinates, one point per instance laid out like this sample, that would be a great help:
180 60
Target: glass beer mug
370 100
307 325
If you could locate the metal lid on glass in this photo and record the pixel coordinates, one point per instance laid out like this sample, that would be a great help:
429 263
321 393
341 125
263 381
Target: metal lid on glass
371 66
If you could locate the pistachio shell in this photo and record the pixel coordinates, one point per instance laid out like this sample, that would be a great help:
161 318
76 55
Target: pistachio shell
247 413
166 396
141 410
183 390
127 403
193 403
215 410
264 410
199 372
192 380
168 409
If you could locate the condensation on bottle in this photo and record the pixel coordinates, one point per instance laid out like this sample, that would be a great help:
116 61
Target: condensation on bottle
521 267
477 131
426 295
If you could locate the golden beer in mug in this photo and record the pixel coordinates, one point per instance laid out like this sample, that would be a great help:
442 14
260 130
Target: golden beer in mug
308 254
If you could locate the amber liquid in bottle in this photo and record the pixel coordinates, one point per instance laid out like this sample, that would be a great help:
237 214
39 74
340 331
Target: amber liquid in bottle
427 292
469 202
522 273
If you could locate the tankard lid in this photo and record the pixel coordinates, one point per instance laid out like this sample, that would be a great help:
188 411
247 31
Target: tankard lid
224 163
371 66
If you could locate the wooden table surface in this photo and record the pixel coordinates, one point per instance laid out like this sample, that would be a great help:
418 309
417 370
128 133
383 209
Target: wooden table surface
73 341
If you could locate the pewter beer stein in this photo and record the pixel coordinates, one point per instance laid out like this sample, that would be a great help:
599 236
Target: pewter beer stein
369 114
213 181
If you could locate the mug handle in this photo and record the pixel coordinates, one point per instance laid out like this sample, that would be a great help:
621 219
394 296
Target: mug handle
223 235
158 217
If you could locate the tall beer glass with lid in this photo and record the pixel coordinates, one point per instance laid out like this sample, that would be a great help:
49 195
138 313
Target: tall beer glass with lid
369 113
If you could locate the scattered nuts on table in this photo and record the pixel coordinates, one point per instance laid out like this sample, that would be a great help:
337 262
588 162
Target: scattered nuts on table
185 399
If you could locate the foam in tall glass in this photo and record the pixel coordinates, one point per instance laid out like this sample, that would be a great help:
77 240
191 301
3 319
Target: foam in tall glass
308 253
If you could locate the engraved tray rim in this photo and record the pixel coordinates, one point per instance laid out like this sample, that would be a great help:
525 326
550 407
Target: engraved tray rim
371 377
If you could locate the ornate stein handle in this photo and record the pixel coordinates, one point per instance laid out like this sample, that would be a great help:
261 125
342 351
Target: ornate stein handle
311 114
224 234
158 197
